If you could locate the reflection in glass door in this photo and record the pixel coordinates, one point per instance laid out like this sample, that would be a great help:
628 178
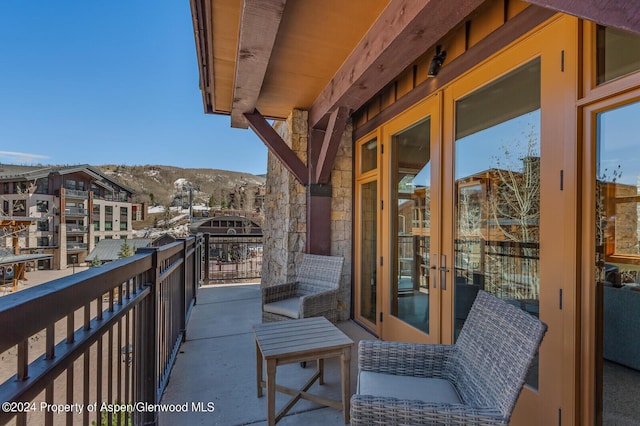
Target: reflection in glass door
497 190
411 197
368 250
618 264
366 255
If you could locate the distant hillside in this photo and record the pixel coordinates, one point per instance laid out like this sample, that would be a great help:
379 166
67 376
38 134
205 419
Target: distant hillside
168 185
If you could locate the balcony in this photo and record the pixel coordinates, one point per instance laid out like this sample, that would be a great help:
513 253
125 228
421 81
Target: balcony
76 229
75 211
76 194
76 247
91 340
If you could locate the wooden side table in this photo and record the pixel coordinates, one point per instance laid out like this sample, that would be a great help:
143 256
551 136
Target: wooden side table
286 342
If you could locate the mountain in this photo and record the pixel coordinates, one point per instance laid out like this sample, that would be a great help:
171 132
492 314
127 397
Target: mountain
170 186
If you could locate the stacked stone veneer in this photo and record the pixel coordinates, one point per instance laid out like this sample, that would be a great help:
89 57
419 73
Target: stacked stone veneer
284 228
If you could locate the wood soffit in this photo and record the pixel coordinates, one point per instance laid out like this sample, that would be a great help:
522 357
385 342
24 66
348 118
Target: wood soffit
319 56
258 29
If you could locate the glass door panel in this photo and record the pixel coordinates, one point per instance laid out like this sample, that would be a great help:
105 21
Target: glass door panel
368 250
410 227
618 264
497 194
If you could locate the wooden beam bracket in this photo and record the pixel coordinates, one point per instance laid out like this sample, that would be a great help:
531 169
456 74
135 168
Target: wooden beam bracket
277 146
330 144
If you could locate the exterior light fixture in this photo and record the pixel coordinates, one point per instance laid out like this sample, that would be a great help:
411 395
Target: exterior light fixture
437 61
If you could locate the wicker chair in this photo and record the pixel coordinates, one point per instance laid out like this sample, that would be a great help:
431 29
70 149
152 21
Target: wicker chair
474 382
314 293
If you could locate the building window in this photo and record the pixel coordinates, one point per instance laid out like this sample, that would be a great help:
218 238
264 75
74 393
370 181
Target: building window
19 206
5 188
96 209
96 240
42 206
108 225
617 53
123 226
5 207
70 184
108 210
369 156
42 186
42 241
19 187
96 225
124 211
43 225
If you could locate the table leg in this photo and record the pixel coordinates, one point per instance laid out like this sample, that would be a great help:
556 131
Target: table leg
271 392
321 371
345 372
259 369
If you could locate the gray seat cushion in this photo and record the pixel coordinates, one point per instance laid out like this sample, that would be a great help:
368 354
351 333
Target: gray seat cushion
407 387
287 307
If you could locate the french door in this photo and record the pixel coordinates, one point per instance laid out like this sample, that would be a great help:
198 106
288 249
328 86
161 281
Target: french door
469 193
397 226
410 303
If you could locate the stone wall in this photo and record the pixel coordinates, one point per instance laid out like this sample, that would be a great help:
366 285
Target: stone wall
284 229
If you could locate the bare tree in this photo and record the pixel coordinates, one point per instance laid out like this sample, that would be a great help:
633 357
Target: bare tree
514 199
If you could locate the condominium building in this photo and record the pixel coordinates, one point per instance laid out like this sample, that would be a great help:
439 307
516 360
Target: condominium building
75 207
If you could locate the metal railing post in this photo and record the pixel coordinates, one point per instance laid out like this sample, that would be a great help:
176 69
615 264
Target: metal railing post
207 256
151 349
184 286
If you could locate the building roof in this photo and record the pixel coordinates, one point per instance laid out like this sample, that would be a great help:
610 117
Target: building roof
13 172
12 259
109 250
12 220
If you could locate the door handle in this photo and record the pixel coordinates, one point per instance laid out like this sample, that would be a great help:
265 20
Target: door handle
443 272
433 268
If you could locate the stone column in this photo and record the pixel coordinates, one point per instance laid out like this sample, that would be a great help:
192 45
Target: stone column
285 227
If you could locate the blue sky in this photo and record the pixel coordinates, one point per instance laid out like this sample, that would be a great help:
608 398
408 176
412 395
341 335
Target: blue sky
102 82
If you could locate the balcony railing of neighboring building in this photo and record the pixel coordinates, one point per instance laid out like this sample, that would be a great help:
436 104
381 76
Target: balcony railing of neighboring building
508 269
76 229
76 246
75 211
76 194
233 257
112 331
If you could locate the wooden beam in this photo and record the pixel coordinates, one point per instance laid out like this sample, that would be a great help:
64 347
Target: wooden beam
623 14
201 18
330 145
405 30
512 30
258 29
277 146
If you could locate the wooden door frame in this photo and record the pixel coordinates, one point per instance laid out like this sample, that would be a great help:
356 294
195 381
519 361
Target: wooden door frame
394 328
591 352
360 179
557 43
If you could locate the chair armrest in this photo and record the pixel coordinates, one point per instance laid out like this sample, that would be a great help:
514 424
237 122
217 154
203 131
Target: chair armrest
278 292
368 410
405 359
316 304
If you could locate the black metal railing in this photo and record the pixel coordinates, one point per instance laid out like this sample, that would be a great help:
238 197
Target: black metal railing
99 341
508 269
233 257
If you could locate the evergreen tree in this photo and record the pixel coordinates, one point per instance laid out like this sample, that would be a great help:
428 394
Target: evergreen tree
95 262
126 250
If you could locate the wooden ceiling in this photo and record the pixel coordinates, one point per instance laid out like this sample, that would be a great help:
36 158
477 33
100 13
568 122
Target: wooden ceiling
312 40
277 55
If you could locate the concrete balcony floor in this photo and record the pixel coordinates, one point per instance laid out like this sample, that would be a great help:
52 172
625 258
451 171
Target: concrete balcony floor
216 364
